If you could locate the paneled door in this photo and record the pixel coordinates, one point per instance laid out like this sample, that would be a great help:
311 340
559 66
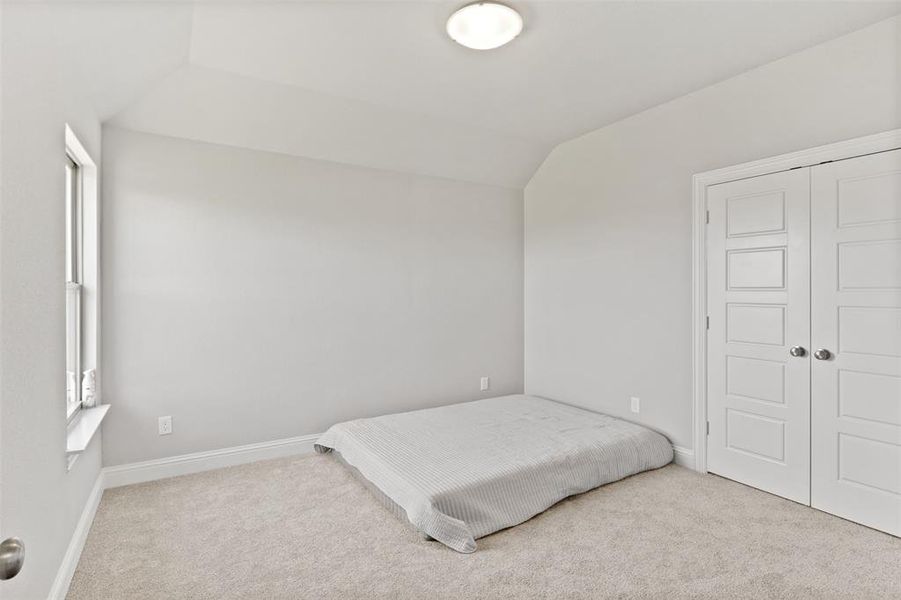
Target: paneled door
758 365
856 316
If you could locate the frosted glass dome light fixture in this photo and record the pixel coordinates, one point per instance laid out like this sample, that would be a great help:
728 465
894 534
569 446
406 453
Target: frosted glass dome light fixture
484 25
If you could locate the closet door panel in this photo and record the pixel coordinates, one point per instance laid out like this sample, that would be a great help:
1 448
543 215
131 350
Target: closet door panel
759 300
856 317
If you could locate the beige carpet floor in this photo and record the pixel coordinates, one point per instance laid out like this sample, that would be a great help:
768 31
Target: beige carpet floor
304 528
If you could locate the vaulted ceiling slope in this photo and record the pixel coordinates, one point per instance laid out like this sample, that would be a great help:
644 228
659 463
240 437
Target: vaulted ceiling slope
110 52
213 105
379 84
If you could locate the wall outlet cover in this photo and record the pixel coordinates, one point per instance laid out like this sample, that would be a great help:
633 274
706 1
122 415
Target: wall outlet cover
635 404
485 384
165 425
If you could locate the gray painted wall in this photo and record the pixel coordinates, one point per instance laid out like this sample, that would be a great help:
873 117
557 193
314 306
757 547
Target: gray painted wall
55 68
41 502
608 220
255 296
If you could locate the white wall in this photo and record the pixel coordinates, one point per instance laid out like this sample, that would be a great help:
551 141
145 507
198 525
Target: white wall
608 219
255 296
41 502
55 68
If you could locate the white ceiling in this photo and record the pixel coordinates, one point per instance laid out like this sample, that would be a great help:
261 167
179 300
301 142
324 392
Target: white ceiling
112 52
215 106
379 83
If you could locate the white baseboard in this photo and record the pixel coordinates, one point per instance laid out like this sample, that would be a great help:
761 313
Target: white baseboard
151 470
60 586
684 457
162 468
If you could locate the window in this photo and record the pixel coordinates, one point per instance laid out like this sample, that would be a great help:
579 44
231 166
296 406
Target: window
74 257
84 410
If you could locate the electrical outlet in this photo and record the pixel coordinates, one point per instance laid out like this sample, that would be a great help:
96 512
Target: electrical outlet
165 425
485 384
636 404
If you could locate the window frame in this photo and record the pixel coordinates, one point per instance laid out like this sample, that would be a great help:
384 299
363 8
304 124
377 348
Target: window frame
74 273
82 271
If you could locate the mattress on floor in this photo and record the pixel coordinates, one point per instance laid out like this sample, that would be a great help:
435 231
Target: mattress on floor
463 471
392 506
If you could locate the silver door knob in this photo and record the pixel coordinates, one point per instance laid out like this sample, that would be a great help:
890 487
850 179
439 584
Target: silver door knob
797 351
12 556
822 354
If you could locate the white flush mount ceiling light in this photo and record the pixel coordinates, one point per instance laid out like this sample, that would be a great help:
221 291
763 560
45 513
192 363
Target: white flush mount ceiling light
484 25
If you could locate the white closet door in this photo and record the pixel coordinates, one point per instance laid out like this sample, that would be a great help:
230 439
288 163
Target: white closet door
856 316
758 396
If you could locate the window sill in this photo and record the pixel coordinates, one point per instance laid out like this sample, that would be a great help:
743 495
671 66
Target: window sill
82 430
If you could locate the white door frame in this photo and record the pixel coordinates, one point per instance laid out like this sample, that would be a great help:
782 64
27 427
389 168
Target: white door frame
880 142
